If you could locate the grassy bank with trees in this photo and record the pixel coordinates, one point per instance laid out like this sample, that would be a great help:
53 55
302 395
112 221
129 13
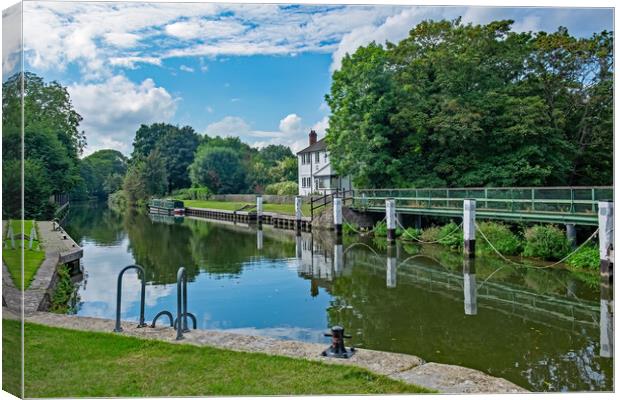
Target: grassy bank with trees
173 369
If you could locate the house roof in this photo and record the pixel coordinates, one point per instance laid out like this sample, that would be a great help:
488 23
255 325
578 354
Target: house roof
318 146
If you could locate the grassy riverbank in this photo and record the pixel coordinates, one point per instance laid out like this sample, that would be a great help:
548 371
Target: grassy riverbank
288 209
107 365
12 257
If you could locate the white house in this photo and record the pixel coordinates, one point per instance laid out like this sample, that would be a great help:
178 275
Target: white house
315 171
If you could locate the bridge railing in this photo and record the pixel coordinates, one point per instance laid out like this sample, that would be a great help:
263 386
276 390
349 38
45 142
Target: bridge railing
564 200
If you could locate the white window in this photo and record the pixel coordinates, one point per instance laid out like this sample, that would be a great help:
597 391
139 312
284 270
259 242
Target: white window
325 156
316 157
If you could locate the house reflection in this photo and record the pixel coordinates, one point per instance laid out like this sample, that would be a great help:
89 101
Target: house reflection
320 257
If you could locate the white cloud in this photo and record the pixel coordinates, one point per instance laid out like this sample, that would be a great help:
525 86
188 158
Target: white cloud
292 131
198 28
321 126
291 124
131 62
11 41
186 68
115 108
229 126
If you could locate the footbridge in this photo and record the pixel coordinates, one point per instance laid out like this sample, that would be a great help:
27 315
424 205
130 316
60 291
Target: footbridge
566 205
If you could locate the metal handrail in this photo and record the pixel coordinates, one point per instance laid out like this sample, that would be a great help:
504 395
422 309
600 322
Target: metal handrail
119 287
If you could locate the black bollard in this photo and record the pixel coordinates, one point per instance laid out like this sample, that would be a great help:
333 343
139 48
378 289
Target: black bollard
337 349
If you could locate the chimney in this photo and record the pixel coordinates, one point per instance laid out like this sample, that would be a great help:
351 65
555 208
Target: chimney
312 137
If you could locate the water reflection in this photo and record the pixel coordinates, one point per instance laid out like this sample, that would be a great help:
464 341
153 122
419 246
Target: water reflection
606 319
542 329
470 290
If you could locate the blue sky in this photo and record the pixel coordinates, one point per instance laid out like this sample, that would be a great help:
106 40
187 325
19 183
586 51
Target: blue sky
255 71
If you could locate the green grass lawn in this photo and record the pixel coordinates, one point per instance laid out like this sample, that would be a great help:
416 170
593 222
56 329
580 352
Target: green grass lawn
235 205
107 365
12 257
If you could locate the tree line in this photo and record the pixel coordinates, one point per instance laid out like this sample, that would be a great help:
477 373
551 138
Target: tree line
165 158
457 105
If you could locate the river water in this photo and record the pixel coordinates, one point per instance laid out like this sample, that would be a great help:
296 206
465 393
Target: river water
546 330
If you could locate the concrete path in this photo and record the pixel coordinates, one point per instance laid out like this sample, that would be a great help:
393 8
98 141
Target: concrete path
403 367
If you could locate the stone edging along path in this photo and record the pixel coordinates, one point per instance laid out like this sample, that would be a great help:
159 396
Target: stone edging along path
407 368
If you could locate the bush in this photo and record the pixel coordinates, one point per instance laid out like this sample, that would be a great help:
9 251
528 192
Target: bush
501 237
411 234
450 235
546 241
197 193
117 201
430 234
586 258
287 188
350 229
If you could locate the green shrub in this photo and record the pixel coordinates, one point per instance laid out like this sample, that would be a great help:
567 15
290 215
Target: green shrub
117 201
63 293
380 229
451 235
430 234
411 234
196 193
546 241
501 237
287 188
585 259
350 229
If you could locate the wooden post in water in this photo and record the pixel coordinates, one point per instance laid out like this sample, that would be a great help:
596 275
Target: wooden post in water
259 209
470 290
298 212
390 217
390 273
469 227
606 237
338 215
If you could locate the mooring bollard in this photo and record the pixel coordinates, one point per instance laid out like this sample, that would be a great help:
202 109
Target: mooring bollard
390 275
606 237
298 212
390 216
469 227
259 209
571 234
337 349
338 215
470 290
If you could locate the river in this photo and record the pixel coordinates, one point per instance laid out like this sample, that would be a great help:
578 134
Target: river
543 329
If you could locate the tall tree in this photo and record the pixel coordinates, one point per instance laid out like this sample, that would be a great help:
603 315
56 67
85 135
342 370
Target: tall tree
218 168
175 145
